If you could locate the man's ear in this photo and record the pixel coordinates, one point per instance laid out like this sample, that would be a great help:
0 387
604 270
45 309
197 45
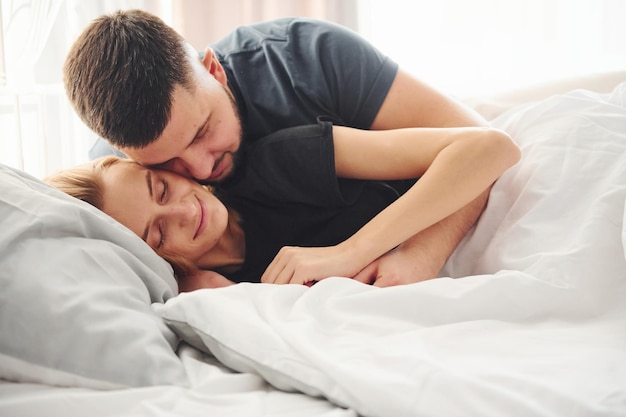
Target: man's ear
214 67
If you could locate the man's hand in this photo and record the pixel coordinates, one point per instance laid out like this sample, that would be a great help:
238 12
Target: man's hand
423 256
397 267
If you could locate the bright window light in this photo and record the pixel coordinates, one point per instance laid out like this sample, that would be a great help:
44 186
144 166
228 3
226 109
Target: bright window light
469 47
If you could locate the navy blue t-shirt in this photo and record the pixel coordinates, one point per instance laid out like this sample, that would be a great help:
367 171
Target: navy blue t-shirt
288 194
288 72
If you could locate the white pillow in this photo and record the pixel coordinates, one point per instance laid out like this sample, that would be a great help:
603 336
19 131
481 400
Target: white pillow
76 294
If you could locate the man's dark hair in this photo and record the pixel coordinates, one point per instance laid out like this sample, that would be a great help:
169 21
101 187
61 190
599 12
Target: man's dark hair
120 75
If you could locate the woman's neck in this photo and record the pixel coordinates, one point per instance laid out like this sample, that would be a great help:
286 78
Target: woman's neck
229 254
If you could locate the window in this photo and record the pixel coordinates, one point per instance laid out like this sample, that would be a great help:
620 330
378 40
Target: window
463 47
469 47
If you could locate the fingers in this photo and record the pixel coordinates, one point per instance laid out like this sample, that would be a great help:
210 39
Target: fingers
296 265
389 280
292 265
367 274
268 275
279 270
382 282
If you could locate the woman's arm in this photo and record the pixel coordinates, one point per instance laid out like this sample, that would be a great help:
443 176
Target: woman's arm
412 103
456 165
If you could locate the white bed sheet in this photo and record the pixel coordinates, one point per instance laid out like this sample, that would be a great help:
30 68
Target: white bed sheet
537 326
215 391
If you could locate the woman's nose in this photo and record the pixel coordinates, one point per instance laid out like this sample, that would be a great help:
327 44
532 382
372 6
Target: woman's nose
181 212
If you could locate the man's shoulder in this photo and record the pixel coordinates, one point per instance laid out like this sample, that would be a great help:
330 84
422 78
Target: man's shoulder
254 36
251 37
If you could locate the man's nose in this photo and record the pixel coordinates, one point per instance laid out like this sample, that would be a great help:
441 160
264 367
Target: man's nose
198 165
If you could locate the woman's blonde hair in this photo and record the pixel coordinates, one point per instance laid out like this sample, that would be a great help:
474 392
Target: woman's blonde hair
86 182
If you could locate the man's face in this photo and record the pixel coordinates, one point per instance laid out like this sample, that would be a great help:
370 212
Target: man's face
202 135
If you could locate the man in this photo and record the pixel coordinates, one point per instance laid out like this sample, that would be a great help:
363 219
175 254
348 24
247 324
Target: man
138 84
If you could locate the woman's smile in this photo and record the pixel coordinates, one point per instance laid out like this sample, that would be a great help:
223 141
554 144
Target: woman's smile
201 218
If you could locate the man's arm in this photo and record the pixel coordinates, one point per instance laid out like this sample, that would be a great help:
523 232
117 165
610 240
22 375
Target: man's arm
418 258
411 103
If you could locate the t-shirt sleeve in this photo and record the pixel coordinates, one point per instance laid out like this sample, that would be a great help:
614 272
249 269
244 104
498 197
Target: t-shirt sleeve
343 69
296 166
288 72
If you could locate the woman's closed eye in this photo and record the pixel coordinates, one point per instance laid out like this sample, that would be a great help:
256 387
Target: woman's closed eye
163 196
162 199
161 236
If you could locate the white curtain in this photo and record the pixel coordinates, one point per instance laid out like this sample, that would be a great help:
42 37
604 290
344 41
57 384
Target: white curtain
464 47
40 133
470 47
204 21
27 27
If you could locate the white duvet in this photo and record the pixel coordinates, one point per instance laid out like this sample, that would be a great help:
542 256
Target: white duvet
537 326
528 318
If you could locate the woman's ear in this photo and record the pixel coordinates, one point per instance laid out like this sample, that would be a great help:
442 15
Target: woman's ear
212 64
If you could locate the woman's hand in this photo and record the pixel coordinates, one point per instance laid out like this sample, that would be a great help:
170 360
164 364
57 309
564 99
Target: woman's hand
202 278
406 264
296 265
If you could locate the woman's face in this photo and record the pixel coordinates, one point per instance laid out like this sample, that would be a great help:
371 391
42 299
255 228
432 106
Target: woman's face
170 212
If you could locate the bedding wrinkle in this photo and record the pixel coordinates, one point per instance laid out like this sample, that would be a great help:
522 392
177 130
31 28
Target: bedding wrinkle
527 318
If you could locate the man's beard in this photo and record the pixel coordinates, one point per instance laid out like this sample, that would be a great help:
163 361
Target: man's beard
235 156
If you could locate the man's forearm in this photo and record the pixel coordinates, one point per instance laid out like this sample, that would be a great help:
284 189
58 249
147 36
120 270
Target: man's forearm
432 247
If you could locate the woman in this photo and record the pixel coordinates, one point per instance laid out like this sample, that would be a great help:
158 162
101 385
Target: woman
308 203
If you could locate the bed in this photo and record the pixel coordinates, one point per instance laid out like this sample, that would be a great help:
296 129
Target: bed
528 317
